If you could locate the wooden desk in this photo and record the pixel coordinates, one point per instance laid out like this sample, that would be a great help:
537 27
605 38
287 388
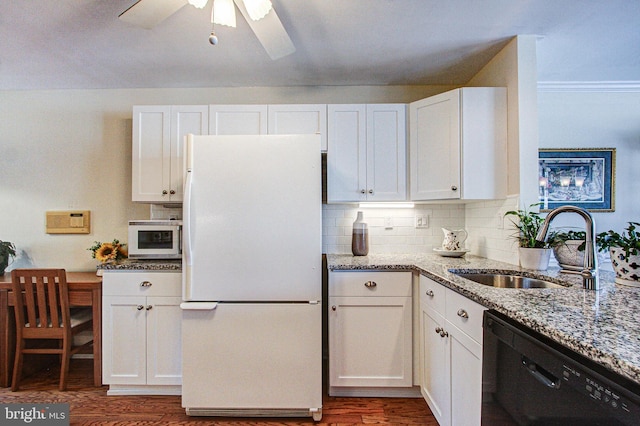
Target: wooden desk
85 289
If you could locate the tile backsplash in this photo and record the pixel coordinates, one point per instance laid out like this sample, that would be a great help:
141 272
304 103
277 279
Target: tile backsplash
391 230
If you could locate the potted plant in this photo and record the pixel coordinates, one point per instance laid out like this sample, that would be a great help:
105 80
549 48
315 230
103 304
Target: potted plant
568 248
533 254
624 250
7 250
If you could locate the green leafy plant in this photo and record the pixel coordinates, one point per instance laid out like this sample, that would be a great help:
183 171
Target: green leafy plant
560 238
629 240
528 225
7 250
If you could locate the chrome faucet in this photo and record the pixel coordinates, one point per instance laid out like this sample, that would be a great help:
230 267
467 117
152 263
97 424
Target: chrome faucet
589 271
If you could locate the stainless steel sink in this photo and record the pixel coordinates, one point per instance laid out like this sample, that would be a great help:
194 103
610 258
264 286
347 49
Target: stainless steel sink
507 280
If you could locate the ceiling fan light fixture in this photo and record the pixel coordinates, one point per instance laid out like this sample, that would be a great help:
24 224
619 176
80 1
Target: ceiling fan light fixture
200 4
257 9
224 13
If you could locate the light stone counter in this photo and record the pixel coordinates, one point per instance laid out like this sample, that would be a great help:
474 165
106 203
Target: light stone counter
143 265
602 325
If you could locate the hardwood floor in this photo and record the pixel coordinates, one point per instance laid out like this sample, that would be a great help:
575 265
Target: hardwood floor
91 406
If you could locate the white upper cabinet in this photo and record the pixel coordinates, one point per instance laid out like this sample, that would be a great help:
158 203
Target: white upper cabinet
237 119
157 158
366 156
458 145
299 120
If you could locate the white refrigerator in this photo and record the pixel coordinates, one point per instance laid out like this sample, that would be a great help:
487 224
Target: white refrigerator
251 311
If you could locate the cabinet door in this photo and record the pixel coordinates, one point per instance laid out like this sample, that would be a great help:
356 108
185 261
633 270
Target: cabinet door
370 341
151 152
435 364
164 343
434 139
386 152
237 119
124 340
299 120
346 153
466 378
185 119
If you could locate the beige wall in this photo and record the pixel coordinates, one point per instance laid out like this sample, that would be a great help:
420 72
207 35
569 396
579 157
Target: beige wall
607 118
514 67
71 149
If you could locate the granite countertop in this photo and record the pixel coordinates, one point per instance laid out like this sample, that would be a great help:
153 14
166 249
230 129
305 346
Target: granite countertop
143 265
601 325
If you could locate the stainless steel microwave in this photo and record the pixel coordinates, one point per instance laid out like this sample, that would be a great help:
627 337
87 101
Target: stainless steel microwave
155 239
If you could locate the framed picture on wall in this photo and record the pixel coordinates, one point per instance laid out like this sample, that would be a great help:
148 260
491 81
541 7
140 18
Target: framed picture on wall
580 177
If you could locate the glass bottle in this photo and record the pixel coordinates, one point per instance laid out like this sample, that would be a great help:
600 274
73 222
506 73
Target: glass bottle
360 237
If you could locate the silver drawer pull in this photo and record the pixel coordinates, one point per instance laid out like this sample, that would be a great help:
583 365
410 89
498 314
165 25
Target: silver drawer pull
148 308
139 307
462 313
429 293
441 331
370 284
146 284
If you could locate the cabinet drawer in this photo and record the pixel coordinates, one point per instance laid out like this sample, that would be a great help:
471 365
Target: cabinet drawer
143 283
432 294
465 314
368 283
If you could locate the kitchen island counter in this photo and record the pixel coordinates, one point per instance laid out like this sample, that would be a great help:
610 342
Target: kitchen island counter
600 325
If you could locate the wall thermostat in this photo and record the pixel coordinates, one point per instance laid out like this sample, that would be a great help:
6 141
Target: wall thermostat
69 222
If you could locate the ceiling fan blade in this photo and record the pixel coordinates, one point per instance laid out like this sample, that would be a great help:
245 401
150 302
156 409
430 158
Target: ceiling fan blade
149 13
270 33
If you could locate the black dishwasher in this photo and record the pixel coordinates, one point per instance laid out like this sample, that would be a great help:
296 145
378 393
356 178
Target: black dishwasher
528 379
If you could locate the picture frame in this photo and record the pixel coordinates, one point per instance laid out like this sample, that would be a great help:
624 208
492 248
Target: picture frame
582 177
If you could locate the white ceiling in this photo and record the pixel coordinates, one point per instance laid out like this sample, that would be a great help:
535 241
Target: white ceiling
62 44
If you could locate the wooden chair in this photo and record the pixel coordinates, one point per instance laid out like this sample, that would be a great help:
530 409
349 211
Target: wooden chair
48 317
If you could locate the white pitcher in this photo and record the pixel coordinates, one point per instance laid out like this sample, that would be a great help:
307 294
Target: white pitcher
453 239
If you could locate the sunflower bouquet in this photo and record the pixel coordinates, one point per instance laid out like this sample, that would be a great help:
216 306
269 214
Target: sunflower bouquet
108 252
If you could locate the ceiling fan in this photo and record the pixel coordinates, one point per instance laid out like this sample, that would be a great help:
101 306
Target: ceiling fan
268 29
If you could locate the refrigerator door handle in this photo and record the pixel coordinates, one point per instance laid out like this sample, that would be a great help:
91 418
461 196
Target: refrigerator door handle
186 223
198 306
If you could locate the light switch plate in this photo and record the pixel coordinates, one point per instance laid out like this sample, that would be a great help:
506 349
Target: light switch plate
422 221
388 222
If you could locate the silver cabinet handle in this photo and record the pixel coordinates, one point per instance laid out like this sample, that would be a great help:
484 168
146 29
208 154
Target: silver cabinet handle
362 191
454 188
371 191
441 331
164 192
370 284
462 313
146 284
139 307
333 308
172 192
429 293
148 308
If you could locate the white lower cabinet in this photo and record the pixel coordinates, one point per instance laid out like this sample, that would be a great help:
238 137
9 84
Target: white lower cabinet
450 354
370 333
141 333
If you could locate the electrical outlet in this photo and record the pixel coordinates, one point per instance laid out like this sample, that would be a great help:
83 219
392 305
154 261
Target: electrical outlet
388 222
499 220
422 221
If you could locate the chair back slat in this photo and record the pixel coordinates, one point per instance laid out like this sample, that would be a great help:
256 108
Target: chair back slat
45 297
